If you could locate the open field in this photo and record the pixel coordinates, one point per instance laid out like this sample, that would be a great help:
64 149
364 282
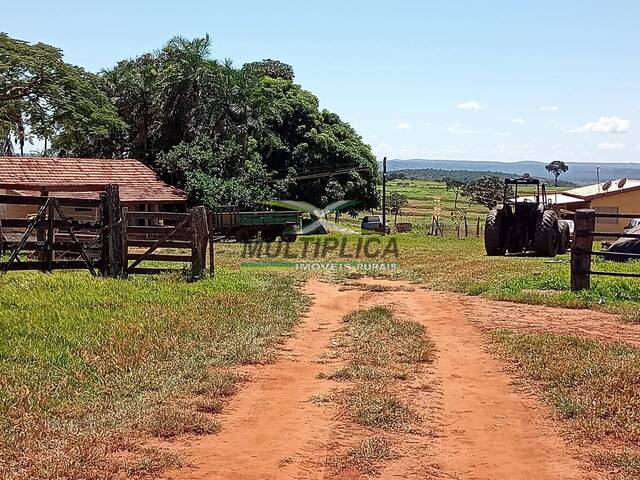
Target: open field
461 265
156 377
85 361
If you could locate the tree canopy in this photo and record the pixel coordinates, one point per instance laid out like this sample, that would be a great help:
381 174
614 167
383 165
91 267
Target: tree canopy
43 96
235 135
226 135
557 168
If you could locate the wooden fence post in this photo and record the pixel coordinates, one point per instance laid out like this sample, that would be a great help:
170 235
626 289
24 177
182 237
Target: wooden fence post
212 245
112 250
478 227
585 224
125 240
51 234
199 240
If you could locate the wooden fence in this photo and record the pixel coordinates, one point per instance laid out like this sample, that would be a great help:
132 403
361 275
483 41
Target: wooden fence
176 231
58 237
106 245
582 248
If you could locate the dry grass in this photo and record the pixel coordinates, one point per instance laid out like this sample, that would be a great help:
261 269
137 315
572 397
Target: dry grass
374 406
171 421
85 361
591 385
364 457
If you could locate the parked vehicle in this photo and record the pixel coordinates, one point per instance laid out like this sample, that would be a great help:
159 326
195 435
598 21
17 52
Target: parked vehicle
525 224
373 224
245 226
635 222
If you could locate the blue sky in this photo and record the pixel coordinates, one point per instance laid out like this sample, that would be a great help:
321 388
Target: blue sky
477 80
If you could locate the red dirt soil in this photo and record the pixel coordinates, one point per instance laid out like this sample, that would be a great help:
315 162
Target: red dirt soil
479 426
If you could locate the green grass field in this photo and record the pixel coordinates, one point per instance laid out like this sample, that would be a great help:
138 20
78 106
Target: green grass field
83 360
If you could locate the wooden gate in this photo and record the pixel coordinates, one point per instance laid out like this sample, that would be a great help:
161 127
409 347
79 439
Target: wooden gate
146 232
62 242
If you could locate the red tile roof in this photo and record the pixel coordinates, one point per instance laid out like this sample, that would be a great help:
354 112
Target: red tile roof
138 183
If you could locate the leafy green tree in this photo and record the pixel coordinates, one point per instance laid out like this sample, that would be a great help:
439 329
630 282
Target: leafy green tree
457 187
45 97
395 204
270 68
486 190
557 168
179 102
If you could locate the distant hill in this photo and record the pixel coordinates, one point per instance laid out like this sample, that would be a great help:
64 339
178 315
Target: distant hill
438 175
579 173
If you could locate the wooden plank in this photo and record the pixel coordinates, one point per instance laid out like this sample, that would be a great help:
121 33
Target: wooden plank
57 223
57 246
159 257
164 244
158 215
124 231
616 274
158 243
585 221
160 230
32 200
199 241
113 232
151 271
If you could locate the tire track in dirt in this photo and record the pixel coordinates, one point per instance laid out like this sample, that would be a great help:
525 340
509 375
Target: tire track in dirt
271 429
484 428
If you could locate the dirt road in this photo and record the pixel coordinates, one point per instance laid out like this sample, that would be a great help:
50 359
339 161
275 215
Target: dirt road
476 425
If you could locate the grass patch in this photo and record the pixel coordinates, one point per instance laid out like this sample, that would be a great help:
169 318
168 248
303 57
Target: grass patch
364 457
85 358
172 421
592 385
379 339
625 464
374 406
381 349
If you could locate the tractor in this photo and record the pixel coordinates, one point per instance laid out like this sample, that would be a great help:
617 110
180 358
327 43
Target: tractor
525 224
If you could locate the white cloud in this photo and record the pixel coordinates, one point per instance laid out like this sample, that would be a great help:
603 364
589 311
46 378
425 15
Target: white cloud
549 108
471 105
612 146
499 134
611 124
519 121
458 128
402 126
427 124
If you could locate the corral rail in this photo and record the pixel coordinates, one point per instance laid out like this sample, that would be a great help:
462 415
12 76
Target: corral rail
582 249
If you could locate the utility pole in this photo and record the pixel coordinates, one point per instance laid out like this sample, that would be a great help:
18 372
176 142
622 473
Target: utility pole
384 195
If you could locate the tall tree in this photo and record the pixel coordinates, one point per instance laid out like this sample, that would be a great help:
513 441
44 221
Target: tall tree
395 204
557 168
204 123
45 97
456 186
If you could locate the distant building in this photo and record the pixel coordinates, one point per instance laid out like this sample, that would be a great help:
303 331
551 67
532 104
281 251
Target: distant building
616 196
140 187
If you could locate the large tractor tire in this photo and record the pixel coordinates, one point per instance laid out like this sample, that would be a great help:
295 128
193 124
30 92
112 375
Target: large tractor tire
494 237
564 237
546 244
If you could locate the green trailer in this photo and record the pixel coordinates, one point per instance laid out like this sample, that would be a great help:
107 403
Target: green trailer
245 226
